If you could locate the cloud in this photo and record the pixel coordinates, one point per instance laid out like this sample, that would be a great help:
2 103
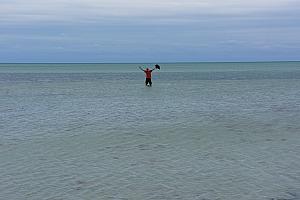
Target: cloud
85 10
132 30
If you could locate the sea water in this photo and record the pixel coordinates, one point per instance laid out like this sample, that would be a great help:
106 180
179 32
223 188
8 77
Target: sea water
202 131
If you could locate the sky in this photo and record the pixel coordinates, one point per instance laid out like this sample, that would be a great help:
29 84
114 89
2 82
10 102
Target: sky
149 30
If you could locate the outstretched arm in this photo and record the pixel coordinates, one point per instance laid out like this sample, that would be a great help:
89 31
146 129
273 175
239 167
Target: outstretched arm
141 68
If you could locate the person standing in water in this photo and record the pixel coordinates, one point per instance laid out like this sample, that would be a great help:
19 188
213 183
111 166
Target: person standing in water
148 75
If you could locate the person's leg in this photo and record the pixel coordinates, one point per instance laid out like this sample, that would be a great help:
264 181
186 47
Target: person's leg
150 82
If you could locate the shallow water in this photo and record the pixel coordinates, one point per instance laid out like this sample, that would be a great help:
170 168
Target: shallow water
203 131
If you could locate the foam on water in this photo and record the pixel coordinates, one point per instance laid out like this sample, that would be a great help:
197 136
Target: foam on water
203 131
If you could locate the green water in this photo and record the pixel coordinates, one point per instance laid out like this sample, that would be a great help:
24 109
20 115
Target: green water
203 131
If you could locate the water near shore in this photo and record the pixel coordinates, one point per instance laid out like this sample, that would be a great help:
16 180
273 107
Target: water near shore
210 131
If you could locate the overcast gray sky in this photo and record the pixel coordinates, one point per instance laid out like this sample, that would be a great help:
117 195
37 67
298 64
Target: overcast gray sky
149 30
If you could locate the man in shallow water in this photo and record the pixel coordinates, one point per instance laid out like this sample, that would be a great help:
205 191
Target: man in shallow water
148 76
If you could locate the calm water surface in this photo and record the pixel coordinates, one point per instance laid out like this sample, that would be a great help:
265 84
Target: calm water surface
203 131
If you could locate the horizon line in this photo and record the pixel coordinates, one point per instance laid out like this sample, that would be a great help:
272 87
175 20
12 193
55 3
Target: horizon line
265 61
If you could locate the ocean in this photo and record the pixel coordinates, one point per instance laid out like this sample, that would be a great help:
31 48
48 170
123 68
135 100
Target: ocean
206 131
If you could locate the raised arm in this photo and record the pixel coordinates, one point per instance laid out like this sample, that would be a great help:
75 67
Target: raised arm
141 68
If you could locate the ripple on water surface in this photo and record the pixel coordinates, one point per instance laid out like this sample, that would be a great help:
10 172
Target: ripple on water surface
193 135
